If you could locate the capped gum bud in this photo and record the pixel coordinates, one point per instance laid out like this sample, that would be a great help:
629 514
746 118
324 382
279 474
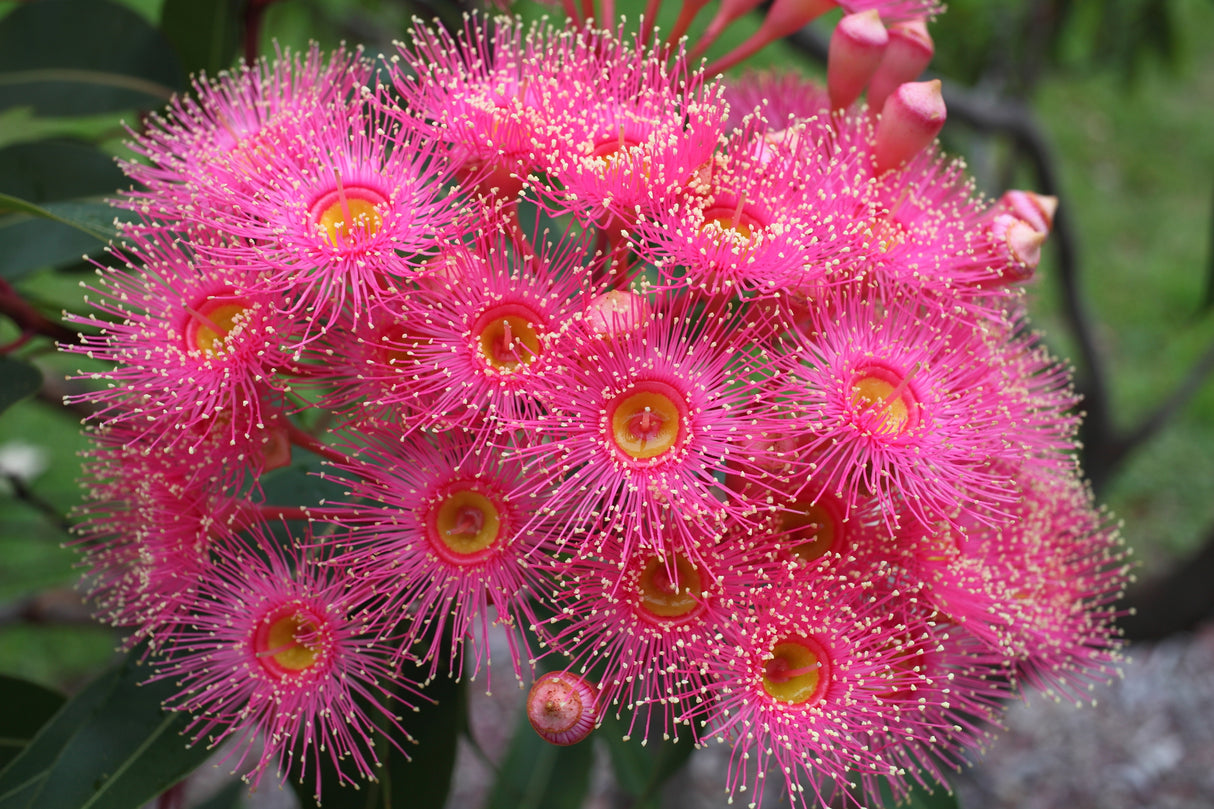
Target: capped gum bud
910 120
906 56
856 47
1024 247
562 707
1036 209
617 312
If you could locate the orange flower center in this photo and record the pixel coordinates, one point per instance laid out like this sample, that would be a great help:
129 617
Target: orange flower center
290 641
798 672
347 217
664 597
508 337
883 400
465 524
211 321
647 422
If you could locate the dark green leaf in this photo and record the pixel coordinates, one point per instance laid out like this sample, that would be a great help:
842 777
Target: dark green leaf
17 380
112 747
57 169
82 57
540 775
55 234
642 769
422 780
206 33
27 706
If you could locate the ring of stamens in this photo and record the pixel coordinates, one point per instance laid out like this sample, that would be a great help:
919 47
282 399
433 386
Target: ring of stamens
348 216
209 322
291 640
798 671
884 400
668 594
465 524
507 337
648 422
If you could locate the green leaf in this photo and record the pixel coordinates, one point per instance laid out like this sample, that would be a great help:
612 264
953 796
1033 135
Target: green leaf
57 169
55 234
81 57
111 747
919 798
540 775
206 33
642 769
18 379
423 779
28 705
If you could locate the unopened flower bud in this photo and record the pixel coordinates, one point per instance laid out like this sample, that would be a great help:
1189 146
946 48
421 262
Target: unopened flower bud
856 47
906 56
911 119
1036 209
562 707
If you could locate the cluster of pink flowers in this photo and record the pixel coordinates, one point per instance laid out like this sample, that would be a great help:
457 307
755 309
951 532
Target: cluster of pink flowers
717 395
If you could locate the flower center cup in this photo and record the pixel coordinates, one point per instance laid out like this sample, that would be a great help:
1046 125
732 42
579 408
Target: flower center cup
735 222
291 641
814 529
883 401
798 672
508 337
465 525
347 217
210 322
647 422
667 601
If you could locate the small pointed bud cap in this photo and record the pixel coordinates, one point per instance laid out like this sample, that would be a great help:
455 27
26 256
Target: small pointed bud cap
907 55
1036 209
1024 247
910 121
617 313
563 707
856 47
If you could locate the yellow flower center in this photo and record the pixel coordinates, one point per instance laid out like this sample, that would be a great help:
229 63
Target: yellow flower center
211 321
348 217
465 524
663 597
648 421
797 672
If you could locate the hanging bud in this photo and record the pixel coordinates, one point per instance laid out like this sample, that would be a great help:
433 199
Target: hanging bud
910 120
1022 241
856 47
906 56
562 707
1035 209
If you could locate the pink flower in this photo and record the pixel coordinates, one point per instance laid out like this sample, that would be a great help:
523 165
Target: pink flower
451 534
641 424
288 650
193 342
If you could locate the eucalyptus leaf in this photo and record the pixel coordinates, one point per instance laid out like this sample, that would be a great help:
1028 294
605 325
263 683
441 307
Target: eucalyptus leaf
18 379
539 775
422 779
28 706
111 747
206 33
81 57
57 169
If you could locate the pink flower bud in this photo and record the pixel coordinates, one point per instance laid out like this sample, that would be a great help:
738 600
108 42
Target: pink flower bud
910 120
1035 209
907 54
616 313
856 47
562 707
